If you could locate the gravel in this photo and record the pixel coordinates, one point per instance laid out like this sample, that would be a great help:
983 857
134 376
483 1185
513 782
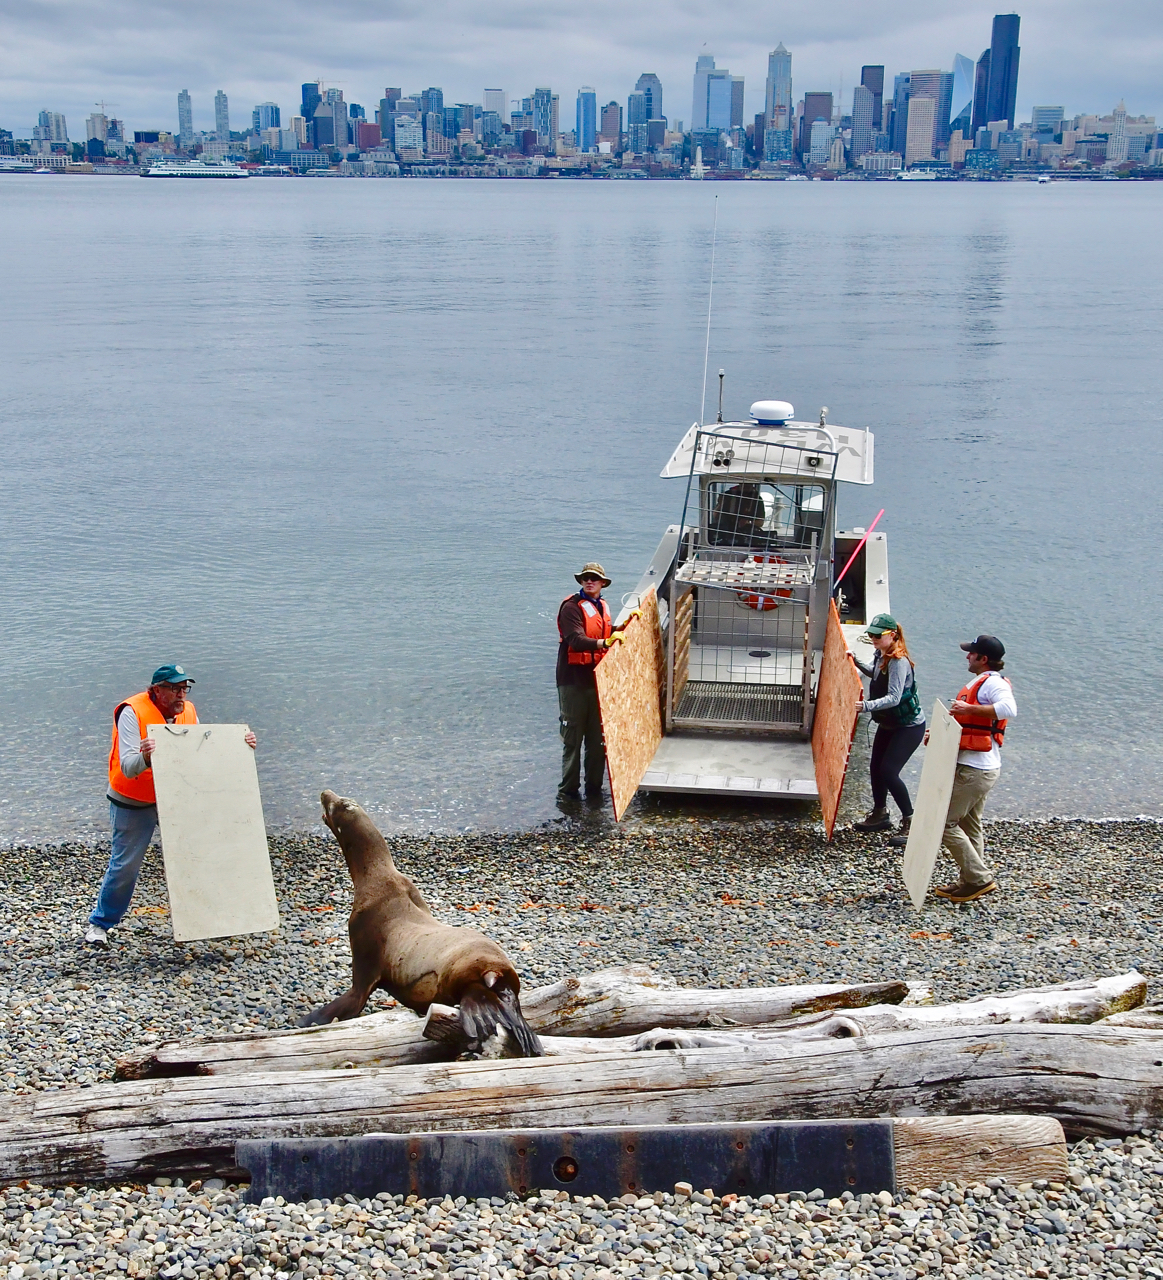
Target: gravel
710 900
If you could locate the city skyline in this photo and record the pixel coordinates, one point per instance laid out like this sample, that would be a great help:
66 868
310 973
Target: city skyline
1062 55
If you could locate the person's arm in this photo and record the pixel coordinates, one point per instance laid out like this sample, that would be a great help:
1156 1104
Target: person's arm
573 628
863 667
995 701
898 670
133 760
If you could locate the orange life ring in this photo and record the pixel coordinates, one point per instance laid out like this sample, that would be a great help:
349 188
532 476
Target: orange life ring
763 603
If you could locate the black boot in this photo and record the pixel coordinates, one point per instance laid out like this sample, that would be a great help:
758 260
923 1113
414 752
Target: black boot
876 820
901 838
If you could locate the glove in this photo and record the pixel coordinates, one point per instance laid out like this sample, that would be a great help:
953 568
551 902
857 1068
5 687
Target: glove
616 638
635 613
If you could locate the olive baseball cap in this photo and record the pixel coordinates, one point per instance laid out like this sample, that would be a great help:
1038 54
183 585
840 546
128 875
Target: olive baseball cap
881 623
171 673
988 646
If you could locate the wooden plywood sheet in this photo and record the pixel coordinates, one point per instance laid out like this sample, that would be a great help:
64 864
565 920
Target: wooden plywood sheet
214 844
630 686
932 805
837 693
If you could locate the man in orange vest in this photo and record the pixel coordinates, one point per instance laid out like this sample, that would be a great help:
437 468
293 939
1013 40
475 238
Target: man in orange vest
132 801
982 708
585 631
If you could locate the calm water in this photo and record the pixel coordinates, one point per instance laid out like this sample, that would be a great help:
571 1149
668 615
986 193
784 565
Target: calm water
338 446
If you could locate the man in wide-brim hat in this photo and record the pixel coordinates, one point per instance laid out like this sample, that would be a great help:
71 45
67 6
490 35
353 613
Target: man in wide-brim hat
586 631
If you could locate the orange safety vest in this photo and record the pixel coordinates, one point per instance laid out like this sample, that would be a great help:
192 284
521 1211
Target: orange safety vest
978 735
141 787
599 626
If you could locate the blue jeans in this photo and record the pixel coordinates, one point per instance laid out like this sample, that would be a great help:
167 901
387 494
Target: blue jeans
132 831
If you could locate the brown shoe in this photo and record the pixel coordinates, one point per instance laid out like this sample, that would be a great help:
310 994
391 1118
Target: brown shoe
965 892
901 838
875 820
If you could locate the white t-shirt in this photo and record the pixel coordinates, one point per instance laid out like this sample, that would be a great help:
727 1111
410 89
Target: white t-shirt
993 691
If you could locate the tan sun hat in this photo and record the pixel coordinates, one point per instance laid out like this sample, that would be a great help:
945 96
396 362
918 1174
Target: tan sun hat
590 570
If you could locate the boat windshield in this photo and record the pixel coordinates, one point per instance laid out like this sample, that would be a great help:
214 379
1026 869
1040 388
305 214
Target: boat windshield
759 515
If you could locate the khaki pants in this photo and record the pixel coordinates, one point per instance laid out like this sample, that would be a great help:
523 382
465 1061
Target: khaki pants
963 839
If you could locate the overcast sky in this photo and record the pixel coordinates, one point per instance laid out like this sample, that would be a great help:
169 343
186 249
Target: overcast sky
67 55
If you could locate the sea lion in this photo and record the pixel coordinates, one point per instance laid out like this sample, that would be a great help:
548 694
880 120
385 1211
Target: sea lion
397 944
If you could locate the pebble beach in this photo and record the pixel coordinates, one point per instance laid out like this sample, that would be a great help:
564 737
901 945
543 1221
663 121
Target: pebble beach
712 902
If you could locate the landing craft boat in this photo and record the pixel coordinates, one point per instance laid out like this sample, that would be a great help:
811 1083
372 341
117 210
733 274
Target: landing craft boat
744 584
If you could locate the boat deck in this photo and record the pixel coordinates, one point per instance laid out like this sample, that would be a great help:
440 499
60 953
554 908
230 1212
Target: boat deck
716 764
730 703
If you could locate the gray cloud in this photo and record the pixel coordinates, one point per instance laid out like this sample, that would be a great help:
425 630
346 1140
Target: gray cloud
65 55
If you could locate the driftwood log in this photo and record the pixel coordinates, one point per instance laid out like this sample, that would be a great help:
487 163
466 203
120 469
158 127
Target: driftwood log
610 1002
1094 1079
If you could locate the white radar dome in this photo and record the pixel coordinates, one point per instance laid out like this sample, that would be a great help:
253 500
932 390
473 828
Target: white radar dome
771 413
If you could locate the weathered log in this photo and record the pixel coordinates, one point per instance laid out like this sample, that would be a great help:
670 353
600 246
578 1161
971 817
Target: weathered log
1149 1015
1094 1079
609 1002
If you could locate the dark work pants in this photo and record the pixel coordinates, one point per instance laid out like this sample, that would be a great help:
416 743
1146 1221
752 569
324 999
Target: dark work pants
891 749
581 724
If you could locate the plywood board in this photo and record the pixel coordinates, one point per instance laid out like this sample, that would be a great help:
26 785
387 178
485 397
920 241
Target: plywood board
630 685
932 805
837 693
214 844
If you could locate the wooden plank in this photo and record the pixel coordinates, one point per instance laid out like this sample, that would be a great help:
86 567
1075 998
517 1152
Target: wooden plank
838 692
628 679
214 844
930 1150
932 805
1093 1079
683 617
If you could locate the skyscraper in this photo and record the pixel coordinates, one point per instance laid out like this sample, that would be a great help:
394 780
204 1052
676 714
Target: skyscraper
1001 90
1046 119
736 102
863 108
495 100
961 105
221 117
900 111
711 108
937 85
611 130
651 86
872 78
185 120
543 115
778 108
981 92
265 116
922 122
819 141
637 109
817 106
586 130
311 98
50 127
1116 147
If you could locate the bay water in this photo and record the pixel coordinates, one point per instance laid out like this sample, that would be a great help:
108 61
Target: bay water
339 446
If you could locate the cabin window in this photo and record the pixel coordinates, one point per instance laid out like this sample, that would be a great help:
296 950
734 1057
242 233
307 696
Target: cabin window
761 514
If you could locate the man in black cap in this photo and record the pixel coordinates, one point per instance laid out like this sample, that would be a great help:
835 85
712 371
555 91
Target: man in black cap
982 709
585 631
132 800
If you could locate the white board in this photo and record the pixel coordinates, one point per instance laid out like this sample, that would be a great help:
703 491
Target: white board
214 842
932 805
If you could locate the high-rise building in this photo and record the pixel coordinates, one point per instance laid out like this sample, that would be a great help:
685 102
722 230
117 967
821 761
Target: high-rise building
922 122
185 120
1000 92
778 108
1046 119
1116 146
637 109
586 128
961 104
817 106
820 139
221 117
704 65
900 111
937 85
981 92
872 78
863 110
311 96
543 114
50 127
713 96
265 116
432 101
387 104
651 86
736 102
611 130
495 100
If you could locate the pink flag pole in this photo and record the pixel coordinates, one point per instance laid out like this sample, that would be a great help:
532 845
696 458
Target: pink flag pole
857 551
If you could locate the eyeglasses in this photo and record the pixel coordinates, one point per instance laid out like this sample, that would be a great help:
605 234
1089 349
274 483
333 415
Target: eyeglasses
590 579
177 688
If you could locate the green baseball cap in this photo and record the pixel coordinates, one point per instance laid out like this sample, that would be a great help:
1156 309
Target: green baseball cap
171 673
881 623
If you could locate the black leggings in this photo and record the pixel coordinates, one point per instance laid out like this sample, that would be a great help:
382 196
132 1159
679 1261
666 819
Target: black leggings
891 749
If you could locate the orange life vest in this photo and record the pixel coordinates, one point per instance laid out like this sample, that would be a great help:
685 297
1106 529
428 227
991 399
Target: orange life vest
141 787
978 735
599 626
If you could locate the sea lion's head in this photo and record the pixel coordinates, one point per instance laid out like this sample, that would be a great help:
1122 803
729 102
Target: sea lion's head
339 812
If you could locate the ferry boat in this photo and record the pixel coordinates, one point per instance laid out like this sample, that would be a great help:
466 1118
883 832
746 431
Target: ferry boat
744 586
193 169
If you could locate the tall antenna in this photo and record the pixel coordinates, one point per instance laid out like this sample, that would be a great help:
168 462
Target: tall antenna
710 292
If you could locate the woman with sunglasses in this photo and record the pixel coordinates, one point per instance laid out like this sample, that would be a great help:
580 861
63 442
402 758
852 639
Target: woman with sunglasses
893 702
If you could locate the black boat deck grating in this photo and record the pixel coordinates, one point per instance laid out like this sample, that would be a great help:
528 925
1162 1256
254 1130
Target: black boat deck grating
736 703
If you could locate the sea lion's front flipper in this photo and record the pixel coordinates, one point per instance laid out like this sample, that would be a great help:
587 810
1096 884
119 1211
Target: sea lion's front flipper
483 1010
